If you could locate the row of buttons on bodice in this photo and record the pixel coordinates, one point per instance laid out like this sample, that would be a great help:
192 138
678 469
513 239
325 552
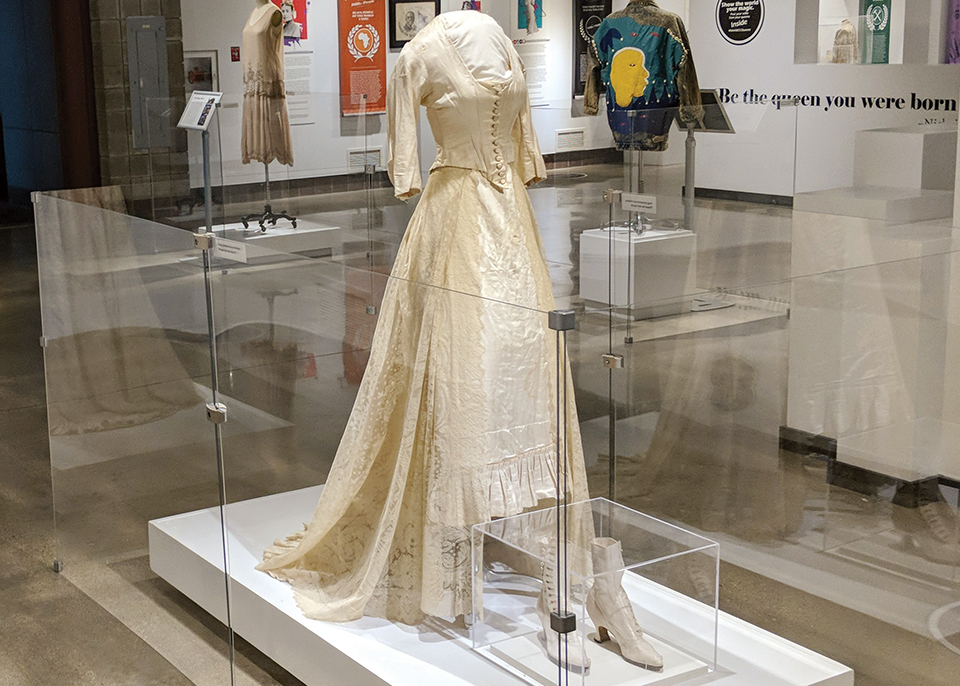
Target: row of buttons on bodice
498 152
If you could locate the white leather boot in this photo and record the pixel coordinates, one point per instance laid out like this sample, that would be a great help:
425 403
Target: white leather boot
610 608
577 660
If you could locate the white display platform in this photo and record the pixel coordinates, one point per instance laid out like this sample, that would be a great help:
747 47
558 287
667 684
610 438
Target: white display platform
526 654
906 157
186 551
894 205
309 238
650 271
900 174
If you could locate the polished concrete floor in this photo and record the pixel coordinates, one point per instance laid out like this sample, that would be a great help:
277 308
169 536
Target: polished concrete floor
699 404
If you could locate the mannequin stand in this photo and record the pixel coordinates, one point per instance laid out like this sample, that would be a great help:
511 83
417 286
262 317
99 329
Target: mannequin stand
268 216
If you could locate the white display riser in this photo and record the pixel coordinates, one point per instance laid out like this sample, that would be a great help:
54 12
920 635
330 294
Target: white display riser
186 551
906 157
649 271
309 238
893 205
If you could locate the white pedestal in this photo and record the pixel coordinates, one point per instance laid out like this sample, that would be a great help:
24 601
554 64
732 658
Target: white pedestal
891 205
649 271
310 238
526 654
186 550
903 174
906 157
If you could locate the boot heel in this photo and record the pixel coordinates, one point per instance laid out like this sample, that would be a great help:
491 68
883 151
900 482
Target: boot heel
602 634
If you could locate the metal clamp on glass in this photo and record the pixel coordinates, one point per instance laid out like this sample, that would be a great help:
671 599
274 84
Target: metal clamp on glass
562 320
216 413
563 622
611 361
612 196
203 241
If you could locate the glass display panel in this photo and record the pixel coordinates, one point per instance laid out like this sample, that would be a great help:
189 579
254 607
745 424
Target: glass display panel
127 377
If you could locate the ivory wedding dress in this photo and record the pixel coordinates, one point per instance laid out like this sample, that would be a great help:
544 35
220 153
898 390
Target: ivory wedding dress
454 423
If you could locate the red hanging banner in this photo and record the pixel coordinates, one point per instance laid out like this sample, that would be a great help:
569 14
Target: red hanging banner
363 57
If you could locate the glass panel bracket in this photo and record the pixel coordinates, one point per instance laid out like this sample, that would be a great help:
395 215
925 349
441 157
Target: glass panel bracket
613 197
203 241
216 413
611 361
562 320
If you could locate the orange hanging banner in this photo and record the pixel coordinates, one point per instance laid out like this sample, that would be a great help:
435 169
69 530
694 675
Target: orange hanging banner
363 57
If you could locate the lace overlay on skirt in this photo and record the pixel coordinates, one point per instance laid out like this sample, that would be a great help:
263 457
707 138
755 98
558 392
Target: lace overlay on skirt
454 421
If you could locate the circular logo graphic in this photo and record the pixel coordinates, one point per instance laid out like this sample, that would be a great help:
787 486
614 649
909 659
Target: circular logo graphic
593 23
363 41
739 21
878 17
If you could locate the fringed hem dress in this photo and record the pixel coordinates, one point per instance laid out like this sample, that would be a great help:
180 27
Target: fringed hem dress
265 134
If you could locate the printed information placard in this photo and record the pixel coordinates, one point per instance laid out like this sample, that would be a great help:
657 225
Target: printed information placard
363 57
198 113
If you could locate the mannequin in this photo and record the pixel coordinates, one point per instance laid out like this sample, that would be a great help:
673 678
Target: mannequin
845 49
265 135
455 422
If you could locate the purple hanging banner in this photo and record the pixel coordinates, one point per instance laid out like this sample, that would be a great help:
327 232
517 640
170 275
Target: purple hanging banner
953 33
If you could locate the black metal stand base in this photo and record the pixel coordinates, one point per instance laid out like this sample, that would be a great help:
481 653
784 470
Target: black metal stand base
268 216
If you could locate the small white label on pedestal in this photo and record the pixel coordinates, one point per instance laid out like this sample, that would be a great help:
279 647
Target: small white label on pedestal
634 202
230 250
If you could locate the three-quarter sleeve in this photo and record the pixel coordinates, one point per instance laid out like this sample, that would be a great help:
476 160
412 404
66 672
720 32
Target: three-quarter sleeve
529 161
404 92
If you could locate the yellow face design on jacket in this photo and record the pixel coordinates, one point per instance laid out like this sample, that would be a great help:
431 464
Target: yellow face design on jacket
628 75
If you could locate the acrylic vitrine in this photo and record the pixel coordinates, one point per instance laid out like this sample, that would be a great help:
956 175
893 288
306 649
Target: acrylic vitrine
619 562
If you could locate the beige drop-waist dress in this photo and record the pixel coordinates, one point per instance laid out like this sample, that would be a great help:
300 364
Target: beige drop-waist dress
265 132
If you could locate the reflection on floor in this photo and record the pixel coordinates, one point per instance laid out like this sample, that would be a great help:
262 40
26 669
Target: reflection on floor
699 405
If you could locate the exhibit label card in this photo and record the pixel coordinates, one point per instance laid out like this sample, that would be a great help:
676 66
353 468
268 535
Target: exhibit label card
634 202
198 113
226 249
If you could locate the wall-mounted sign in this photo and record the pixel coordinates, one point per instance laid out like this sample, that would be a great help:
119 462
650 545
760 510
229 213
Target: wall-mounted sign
587 15
875 31
739 21
363 57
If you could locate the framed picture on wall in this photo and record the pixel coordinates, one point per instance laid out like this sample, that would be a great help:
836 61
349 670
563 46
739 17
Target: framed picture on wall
200 70
407 18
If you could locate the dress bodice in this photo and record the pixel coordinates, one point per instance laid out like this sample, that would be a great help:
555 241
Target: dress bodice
262 50
465 71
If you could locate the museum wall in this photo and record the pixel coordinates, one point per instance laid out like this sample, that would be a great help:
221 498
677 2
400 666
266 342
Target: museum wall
323 139
760 158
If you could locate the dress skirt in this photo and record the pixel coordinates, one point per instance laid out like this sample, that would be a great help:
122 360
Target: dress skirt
455 420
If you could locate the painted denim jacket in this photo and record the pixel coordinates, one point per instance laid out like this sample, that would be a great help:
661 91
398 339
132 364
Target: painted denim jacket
642 62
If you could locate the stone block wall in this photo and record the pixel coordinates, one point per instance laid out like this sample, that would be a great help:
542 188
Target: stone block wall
155 179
